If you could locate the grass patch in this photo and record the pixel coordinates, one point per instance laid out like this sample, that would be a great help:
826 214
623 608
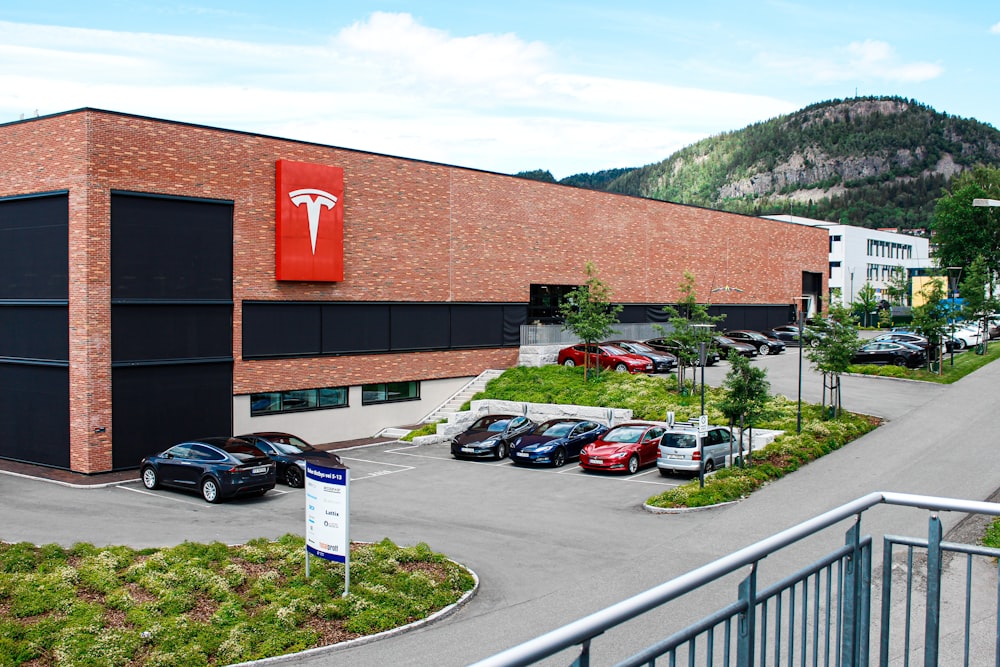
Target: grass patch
207 604
965 362
652 397
426 429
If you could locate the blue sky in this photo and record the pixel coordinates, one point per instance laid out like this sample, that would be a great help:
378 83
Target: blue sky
571 86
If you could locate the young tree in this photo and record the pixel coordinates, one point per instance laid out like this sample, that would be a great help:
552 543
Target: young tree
838 341
865 303
589 313
690 325
898 287
978 295
747 396
930 318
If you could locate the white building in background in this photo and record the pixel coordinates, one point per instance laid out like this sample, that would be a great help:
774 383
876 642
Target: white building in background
859 255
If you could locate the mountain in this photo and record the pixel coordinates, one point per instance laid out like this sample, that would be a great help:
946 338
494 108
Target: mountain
867 161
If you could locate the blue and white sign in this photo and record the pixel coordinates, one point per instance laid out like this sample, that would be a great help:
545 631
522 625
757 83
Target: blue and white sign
328 512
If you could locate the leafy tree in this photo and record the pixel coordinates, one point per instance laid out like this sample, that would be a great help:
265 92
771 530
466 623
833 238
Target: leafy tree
978 294
747 396
838 341
898 287
865 303
930 318
963 231
588 312
543 175
691 325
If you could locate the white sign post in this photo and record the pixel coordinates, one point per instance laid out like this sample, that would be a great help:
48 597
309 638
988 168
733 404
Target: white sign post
328 516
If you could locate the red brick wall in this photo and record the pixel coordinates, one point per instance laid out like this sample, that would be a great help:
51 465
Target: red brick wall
414 231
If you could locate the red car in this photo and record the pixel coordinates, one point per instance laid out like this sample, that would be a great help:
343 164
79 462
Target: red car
610 356
625 448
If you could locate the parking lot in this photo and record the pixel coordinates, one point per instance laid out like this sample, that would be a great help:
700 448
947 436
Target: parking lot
549 545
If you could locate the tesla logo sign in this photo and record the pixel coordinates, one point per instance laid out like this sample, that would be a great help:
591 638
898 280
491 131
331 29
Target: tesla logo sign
309 242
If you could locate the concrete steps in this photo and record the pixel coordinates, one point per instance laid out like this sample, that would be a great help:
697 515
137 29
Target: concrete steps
459 398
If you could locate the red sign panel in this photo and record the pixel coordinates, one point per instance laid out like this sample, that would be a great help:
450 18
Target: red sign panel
309 239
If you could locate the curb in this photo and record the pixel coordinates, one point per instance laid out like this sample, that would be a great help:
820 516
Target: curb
684 510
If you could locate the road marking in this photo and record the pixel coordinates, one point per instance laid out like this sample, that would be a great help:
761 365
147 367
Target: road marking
163 496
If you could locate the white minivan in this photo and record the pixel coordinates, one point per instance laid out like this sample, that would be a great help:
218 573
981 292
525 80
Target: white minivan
683 447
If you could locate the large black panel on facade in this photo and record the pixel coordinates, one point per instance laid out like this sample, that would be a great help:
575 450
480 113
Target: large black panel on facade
514 316
34 332
34 411
34 247
281 329
177 331
355 328
170 248
158 406
420 326
476 325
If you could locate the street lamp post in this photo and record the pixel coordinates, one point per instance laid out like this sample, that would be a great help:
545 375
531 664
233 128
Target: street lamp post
702 359
991 203
954 275
801 322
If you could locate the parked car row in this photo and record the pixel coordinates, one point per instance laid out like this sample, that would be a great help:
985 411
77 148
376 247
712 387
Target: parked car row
227 466
625 448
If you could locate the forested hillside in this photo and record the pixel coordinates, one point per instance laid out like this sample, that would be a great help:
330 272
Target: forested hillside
872 162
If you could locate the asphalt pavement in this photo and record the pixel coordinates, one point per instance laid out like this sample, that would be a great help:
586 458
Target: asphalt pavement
550 546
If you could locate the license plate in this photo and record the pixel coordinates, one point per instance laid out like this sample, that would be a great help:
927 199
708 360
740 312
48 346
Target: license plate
522 454
675 456
468 450
259 470
596 461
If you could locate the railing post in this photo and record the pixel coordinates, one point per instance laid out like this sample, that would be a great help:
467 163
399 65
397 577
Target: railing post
853 603
747 630
933 618
886 602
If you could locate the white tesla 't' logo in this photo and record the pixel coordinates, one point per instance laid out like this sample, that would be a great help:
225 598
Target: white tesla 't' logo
315 201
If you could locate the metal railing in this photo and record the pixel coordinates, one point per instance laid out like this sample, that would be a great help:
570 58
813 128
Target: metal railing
819 615
554 334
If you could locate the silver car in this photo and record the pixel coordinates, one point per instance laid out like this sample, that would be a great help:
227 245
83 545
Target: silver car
682 449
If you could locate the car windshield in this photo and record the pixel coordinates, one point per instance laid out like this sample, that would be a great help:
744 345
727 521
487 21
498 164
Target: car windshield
724 340
640 347
678 440
290 444
613 349
490 423
243 451
557 429
625 434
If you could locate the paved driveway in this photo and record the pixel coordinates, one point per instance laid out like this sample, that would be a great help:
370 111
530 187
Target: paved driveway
553 545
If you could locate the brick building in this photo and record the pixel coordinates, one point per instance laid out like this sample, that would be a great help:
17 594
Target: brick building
140 304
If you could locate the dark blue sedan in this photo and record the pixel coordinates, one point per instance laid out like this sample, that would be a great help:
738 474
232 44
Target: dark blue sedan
555 441
291 452
216 468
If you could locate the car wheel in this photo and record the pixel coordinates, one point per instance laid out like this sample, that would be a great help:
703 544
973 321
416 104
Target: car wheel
621 368
210 490
501 451
899 361
149 478
764 350
569 363
559 458
709 466
293 476
633 464
960 344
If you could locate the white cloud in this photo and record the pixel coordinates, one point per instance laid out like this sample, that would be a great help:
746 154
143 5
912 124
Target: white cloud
870 60
389 85
995 29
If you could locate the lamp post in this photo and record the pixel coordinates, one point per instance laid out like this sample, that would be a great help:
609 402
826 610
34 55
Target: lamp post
702 359
992 203
954 275
801 322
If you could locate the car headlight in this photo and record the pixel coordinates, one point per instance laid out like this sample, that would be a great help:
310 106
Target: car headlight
618 455
545 449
